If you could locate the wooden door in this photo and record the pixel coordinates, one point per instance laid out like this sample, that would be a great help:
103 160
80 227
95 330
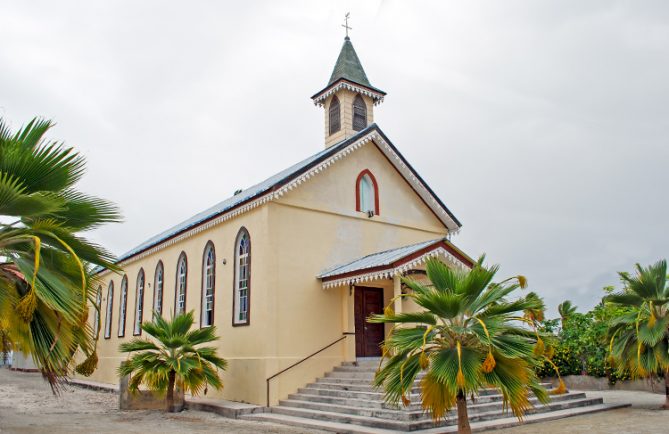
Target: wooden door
368 337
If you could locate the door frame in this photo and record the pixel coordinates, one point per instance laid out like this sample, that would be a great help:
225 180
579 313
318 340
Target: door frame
356 317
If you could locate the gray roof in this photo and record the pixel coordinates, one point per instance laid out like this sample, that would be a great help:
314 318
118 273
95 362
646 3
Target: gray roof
244 196
265 186
379 259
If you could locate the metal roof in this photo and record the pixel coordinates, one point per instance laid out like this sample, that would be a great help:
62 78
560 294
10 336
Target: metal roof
268 185
379 259
244 196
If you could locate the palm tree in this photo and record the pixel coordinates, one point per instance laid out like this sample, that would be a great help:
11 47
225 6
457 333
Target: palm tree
45 280
639 340
173 358
467 336
566 309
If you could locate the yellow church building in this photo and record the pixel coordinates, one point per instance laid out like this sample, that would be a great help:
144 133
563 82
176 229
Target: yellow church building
289 269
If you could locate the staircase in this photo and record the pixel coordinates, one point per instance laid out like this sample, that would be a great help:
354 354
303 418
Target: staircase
344 401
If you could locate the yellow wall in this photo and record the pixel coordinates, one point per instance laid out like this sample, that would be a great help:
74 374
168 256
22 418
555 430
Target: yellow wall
346 98
316 227
293 239
245 347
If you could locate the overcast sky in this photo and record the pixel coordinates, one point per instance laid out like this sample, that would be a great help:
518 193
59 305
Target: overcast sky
544 126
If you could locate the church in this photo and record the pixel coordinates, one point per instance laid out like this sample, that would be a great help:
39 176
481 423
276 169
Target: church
289 269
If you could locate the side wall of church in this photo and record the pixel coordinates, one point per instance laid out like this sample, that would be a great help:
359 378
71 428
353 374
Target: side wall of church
246 348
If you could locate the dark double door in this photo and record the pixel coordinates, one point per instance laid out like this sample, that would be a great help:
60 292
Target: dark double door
368 337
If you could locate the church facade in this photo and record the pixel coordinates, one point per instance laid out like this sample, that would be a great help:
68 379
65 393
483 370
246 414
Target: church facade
293 265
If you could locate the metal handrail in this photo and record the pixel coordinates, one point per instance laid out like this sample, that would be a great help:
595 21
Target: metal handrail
345 334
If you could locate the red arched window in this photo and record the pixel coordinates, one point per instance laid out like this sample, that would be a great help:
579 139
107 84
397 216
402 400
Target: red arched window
366 193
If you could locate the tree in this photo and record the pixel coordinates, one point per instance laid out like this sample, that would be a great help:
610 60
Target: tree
173 358
639 339
467 336
45 280
566 310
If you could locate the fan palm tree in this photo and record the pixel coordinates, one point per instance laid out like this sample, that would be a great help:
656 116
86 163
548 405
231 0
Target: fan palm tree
173 357
45 280
639 340
566 309
467 336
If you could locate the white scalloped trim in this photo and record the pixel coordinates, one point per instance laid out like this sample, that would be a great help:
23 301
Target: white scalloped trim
372 136
390 272
376 96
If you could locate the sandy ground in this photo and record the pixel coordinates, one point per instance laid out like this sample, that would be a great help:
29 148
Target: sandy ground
644 417
28 407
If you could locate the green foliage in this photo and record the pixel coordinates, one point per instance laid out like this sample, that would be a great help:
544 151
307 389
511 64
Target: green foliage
174 355
639 338
45 283
468 335
581 344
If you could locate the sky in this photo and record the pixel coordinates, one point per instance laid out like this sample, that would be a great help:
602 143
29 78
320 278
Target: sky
543 126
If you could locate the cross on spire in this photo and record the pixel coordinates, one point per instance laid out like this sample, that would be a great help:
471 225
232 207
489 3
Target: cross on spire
345 25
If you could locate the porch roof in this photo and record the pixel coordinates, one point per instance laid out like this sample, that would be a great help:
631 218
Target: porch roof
386 264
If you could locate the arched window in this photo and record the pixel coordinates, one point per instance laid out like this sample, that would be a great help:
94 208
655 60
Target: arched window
359 114
123 307
139 304
180 293
334 116
242 288
208 285
158 281
108 315
367 193
98 306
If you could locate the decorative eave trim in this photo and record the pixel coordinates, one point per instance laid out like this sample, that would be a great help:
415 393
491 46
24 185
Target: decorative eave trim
267 197
417 184
278 191
319 98
390 272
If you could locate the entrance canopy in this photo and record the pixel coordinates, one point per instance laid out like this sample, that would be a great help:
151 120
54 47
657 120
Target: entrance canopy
386 264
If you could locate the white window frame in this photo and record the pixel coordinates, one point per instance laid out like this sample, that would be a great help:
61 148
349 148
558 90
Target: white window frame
96 320
158 286
242 280
123 306
110 310
182 281
139 303
208 286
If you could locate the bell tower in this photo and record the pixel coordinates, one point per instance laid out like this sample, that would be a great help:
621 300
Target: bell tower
348 98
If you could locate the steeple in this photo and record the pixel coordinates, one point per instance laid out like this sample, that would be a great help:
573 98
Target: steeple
349 98
348 66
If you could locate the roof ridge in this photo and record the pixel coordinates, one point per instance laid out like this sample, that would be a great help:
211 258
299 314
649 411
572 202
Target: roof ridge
253 196
245 195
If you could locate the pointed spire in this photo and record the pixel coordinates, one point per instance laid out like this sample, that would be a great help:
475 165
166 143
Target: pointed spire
348 66
349 74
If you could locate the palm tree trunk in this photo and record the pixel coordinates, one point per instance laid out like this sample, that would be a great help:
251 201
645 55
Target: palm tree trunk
666 389
463 418
170 392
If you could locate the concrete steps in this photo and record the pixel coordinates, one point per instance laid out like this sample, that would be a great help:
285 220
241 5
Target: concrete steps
347 428
351 405
345 401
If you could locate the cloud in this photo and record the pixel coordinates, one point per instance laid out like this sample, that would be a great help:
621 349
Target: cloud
542 126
